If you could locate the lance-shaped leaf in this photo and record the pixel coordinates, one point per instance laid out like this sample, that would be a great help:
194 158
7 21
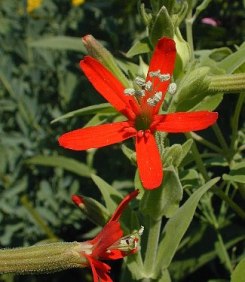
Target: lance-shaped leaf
69 164
177 226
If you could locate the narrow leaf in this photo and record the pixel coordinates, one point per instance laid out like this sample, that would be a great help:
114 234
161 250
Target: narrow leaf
111 196
69 164
90 110
177 225
60 43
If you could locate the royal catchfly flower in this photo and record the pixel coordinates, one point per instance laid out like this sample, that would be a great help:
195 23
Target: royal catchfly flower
140 105
109 244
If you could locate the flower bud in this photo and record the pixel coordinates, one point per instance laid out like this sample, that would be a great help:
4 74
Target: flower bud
98 51
93 210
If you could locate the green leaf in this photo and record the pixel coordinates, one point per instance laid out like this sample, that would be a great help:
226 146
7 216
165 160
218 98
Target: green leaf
135 266
163 201
110 195
176 227
69 164
233 61
129 153
209 103
90 110
237 173
239 273
140 47
59 43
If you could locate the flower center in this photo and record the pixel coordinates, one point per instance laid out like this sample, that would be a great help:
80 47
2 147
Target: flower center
149 89
143 122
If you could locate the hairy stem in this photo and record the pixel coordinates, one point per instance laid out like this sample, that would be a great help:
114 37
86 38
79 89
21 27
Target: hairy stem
41 258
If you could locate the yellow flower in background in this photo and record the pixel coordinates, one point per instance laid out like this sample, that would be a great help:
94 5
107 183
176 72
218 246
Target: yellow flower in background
77 2
33 4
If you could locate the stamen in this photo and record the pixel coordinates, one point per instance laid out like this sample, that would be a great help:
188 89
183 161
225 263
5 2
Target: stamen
127 243
140 93
141 230
155 99
154 73
164 77
158 96
129 91
148 85
140 81
151 102
172 88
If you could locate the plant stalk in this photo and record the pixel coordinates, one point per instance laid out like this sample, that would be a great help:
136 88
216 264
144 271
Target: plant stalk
152 246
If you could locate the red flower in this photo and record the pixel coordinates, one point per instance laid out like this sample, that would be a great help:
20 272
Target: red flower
109 243
141 108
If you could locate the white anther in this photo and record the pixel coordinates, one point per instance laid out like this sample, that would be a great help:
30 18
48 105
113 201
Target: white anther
151 102
157 96
172 88
140 81
141 230
129 91
154 73
140 93
148 85
164 77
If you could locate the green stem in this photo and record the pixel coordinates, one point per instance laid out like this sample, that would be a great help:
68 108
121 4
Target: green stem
226 257
197 158
206 143
215 190
235 120
229 201
41 258
152 246
221 139
189 35
26 203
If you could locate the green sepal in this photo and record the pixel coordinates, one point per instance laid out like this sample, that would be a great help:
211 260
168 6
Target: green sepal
163 201
161 26
183 53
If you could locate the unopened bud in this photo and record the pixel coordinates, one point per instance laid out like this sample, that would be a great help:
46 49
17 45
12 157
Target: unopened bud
93 210
98 51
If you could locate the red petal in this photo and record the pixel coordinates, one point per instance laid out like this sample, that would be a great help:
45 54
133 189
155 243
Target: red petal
99 270
149 161
108 86
110 234
185 122
116 215
97 136
114 254
163 59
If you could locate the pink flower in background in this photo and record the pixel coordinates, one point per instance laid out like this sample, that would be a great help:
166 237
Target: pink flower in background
210 21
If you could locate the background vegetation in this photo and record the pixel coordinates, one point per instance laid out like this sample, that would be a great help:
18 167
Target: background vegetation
40 80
